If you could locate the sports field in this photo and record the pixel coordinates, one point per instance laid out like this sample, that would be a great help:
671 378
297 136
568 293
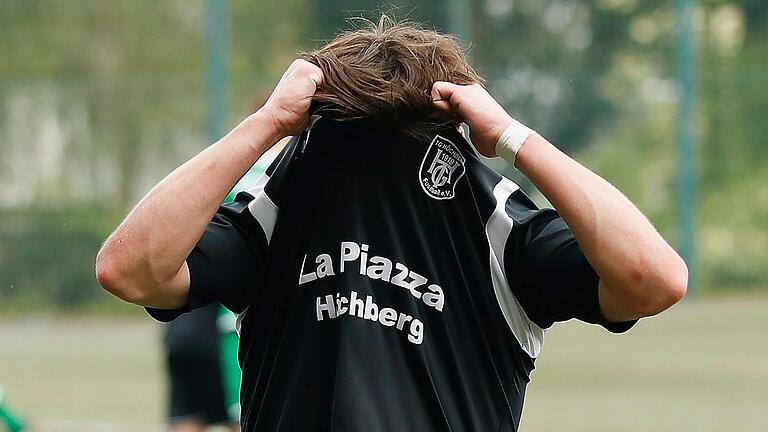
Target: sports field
701 367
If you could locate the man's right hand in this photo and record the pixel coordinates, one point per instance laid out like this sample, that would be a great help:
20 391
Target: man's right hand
143 261
287 109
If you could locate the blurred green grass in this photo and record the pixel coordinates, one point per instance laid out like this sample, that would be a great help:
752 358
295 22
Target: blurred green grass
702 366
78 374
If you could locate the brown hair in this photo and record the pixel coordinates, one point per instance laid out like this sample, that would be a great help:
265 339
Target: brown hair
384 71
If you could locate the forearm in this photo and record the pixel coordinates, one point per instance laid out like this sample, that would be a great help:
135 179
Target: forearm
147 252
640 273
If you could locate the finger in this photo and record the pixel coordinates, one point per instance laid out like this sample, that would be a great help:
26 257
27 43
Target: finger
309 70
442 106
295 66
443 96
296 63
317 76
443 90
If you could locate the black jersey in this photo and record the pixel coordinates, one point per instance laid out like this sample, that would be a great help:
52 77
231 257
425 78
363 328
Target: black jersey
387 283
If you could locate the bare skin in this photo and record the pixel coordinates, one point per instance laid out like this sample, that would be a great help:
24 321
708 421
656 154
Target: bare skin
640 274
143 262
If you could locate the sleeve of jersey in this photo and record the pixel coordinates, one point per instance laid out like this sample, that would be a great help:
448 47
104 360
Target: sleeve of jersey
227 263
547 270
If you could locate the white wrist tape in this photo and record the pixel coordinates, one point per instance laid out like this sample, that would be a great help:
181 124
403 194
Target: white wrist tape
511 140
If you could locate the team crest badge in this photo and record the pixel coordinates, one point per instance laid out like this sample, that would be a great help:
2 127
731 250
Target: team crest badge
441 169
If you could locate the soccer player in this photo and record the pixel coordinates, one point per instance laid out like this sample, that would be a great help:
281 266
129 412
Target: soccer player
385 278
196 372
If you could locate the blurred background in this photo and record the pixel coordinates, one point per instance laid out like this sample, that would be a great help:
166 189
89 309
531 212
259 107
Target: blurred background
668 100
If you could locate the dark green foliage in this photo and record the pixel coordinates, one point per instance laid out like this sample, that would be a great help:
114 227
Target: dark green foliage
47 256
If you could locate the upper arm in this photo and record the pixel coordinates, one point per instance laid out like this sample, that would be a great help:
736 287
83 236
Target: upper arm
229 262
548 271
226 265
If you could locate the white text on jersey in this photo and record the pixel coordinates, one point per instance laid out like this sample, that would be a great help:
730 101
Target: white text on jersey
376 268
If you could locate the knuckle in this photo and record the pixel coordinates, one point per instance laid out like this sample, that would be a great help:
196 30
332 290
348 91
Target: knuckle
306 67
308 70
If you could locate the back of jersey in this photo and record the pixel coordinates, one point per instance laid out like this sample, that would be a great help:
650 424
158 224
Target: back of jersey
384 305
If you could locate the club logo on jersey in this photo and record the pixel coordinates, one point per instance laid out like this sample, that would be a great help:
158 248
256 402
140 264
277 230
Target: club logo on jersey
441 169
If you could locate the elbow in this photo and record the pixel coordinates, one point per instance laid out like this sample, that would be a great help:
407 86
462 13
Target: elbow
678 284
113 275
668 288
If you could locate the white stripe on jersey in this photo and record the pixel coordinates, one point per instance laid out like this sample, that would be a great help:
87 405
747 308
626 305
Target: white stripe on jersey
262 208
264 211
529 335
239 320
